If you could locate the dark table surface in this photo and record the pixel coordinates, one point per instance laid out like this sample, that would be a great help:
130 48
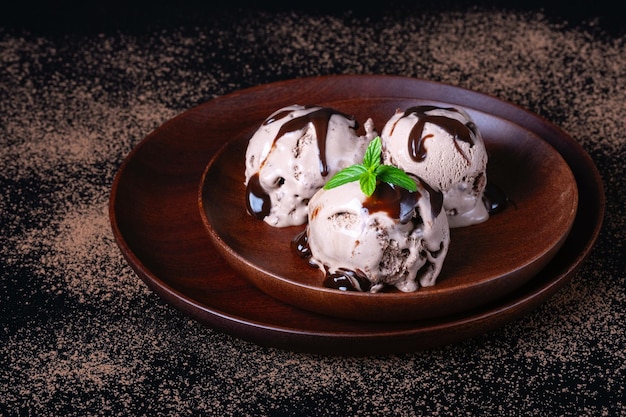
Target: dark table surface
81 85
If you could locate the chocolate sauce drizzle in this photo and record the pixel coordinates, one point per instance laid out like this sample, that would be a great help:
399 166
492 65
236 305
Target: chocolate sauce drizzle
397 202
257 200
494 198
300 244
417 141
346 280
436 198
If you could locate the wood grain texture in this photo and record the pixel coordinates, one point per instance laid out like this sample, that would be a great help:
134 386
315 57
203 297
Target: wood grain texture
156 220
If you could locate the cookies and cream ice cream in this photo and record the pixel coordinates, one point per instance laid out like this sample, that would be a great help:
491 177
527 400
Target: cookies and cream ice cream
292 155
393 238
443 147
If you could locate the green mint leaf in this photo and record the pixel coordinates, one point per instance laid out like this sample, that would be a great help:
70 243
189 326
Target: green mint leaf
371 160
396 176
346 175
368 183
371 171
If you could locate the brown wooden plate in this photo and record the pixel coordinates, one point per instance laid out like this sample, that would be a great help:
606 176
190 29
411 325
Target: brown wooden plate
158 225
484 261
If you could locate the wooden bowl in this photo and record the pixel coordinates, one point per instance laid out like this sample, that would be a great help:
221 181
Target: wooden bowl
484 261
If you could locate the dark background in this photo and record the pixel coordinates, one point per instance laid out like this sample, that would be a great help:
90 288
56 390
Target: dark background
81 336
82 17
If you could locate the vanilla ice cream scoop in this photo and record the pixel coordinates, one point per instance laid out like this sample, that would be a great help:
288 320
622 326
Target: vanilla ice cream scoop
292 155
443 147
393 238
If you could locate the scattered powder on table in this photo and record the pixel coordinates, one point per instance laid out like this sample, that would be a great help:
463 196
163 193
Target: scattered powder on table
81 332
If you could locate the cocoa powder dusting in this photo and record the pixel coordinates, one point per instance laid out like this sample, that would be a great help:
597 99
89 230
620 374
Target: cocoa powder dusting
81 334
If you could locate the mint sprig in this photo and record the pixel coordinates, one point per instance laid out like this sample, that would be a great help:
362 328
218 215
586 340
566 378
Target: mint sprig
371 171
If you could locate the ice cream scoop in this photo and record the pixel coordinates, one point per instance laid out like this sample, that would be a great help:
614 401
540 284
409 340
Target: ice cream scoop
292 155
444 147
393 238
